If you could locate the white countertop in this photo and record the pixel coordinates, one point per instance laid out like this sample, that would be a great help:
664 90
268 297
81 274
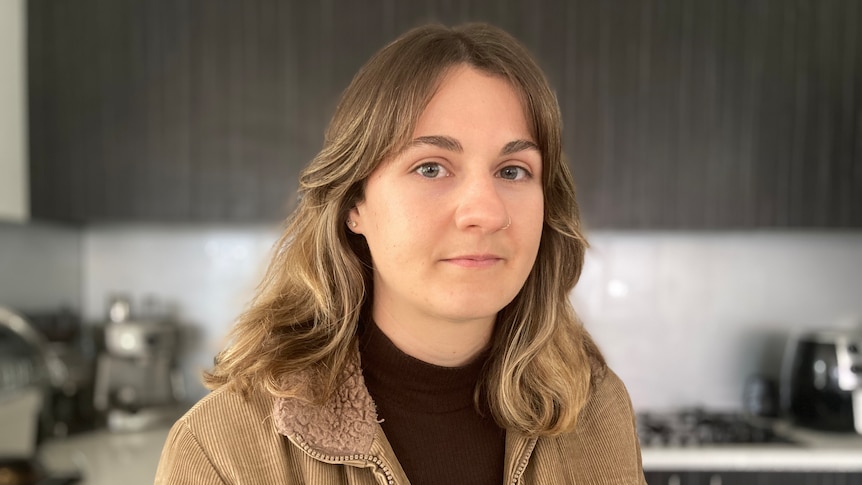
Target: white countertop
815 451
758 457
107 458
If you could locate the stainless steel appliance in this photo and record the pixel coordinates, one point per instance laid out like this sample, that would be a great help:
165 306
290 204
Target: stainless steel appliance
821 386
29 371
699 427
138 383
70 346
24 385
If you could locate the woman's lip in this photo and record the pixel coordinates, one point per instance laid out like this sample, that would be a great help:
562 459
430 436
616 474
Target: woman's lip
477 261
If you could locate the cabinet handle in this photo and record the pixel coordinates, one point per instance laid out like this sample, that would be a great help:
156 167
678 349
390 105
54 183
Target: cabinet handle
674 480
715 480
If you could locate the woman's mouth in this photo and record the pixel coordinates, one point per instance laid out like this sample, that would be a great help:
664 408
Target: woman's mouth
474 260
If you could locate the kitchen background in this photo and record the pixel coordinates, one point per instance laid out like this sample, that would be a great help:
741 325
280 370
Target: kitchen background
684 317
151 148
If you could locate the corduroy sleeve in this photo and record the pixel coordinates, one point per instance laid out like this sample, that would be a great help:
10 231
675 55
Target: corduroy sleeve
613 433
602 450
184 461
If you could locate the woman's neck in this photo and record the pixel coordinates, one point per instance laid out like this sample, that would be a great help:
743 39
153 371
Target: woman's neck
433 340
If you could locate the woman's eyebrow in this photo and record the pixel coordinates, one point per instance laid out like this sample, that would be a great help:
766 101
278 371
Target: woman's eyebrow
517 146
453 145
444 142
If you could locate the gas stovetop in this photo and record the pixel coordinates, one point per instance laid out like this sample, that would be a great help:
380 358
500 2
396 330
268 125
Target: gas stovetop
699 427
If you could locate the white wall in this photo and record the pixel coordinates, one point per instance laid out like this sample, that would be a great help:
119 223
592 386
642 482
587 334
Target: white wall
40 267
684 318
14 194
694 313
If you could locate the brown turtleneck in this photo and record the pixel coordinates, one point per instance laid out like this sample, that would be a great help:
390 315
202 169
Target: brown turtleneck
429 417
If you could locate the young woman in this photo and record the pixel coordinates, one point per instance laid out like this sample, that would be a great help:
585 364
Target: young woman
414 325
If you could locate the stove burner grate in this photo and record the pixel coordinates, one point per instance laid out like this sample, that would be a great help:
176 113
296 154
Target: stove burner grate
698 427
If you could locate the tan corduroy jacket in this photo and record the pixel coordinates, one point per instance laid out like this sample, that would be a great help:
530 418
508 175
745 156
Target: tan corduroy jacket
225 439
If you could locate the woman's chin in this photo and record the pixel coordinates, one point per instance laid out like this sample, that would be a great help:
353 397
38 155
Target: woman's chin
472 310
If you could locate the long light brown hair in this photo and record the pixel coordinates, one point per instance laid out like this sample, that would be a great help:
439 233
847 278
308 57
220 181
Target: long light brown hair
318 285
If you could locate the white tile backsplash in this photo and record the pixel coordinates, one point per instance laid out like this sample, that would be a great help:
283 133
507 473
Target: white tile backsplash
684 318
703 311
40 267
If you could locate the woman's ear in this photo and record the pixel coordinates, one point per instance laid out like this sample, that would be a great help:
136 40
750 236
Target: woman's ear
354 219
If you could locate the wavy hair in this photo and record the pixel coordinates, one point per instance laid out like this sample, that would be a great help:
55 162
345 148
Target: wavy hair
318 285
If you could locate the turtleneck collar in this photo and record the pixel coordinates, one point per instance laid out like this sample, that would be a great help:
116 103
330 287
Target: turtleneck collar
395 377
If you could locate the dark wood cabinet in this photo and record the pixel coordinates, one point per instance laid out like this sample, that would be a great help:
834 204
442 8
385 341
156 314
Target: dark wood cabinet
681 115
174 110
703 115
809 160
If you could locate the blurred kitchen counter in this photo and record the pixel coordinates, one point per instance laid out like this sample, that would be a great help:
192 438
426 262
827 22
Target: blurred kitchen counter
812 451
103 457
131 458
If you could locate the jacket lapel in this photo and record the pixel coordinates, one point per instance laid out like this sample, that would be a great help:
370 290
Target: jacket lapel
344 425
343 430
519 448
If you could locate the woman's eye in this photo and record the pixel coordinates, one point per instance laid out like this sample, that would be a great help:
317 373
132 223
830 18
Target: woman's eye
513 173
431 170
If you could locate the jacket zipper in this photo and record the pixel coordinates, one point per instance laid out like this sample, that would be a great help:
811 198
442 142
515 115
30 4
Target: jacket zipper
525 459
304 446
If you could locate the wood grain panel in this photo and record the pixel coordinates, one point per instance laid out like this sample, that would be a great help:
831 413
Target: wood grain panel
677 114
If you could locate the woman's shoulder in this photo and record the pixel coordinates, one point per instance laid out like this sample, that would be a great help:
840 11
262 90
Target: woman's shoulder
226 438
225 408
608 389
607 414
605 437
608 408
223 417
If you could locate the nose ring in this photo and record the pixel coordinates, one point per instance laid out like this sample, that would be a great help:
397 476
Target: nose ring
508 223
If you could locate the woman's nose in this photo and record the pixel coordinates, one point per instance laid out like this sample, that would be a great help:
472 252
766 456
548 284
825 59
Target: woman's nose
481 206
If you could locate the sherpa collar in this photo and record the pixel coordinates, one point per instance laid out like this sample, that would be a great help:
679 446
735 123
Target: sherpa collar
344 425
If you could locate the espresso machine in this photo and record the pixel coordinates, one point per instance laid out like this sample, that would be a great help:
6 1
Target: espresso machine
138 382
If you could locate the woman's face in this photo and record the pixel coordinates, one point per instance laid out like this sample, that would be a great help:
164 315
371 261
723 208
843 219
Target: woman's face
454 221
